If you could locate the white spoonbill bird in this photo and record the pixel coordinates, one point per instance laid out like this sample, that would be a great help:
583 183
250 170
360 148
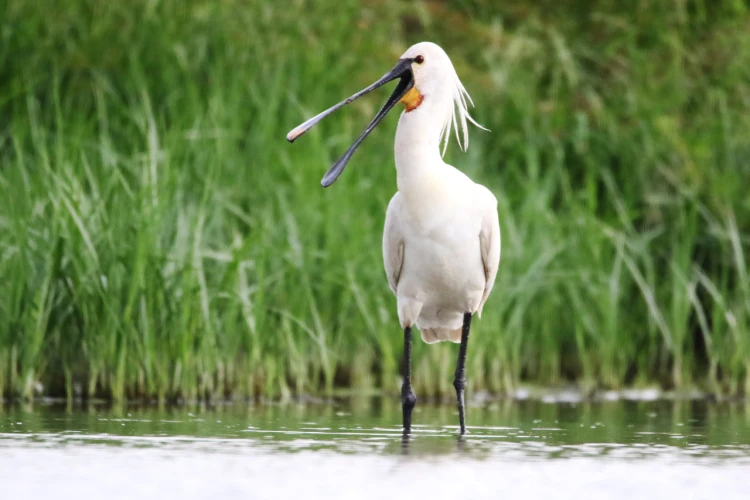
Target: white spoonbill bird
441 242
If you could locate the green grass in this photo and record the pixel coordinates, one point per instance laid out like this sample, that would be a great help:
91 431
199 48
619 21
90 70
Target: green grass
160 238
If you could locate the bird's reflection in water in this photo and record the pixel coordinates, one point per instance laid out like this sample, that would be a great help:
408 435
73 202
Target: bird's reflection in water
406 443
461 443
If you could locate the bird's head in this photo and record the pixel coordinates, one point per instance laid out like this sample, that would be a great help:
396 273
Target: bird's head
425 75
436 83
431 72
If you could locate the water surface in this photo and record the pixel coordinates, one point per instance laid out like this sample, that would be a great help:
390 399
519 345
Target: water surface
355 449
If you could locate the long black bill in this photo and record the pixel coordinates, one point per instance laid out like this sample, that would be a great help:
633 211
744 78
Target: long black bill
401 70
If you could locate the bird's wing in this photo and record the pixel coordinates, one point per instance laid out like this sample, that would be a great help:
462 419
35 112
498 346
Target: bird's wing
393 243
489 243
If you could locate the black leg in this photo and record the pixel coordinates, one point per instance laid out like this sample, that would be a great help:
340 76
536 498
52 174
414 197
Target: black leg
459 381
408 398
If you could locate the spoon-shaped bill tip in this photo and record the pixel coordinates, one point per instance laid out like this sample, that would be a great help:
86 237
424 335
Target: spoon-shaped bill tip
296 132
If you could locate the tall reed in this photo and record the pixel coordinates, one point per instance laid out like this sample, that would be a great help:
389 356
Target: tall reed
159 237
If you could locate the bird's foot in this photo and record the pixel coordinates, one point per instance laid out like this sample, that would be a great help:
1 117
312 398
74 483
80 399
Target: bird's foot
460 384
408 402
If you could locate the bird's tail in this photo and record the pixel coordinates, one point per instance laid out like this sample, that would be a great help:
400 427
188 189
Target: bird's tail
432 335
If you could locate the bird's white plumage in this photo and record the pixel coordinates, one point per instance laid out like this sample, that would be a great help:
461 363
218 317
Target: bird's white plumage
441 241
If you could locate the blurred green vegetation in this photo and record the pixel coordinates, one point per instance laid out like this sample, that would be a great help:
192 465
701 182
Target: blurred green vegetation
160 238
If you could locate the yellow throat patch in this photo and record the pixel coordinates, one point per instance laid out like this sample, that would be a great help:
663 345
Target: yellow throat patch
412 99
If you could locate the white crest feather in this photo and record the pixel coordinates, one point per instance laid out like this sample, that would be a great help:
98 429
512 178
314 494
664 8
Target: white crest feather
460 108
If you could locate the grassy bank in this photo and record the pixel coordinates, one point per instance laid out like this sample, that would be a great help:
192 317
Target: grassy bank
159 237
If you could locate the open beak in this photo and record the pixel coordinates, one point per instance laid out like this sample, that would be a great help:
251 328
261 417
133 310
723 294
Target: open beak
401 70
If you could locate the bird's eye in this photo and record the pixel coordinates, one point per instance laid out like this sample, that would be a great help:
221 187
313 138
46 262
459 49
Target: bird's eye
419 59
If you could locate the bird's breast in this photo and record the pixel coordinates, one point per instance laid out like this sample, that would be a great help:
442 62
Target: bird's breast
442 253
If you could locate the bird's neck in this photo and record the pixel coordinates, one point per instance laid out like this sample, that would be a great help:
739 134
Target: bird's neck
417 150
